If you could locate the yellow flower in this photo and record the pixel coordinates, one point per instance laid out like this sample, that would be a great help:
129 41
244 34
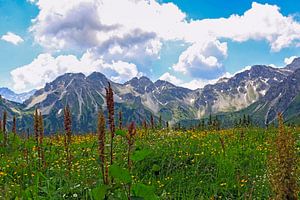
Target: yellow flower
2 174
222 184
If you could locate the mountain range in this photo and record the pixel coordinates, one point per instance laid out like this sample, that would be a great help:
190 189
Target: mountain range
16 97
260 91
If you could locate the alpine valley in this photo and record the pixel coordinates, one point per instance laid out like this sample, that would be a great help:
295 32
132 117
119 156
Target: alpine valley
260 92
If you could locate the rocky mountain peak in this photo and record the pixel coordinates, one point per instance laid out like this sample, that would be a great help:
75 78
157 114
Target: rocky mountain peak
141 85
294 65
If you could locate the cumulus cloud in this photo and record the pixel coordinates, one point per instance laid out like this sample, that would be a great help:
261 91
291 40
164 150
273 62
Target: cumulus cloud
198 83
104 27
170 78
261 22
12 38
203 60
133 31
289 60
195 83
45 68
88 23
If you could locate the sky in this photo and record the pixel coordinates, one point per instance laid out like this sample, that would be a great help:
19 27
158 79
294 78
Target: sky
187 42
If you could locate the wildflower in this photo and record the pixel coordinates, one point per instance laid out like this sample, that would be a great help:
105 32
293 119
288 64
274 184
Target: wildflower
130 139
2 174
111 120
68 133
101 141
41 138
283 164
36 126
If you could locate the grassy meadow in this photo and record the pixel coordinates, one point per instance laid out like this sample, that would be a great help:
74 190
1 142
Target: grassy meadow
164 164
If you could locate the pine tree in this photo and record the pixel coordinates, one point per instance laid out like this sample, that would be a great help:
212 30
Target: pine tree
179 126
28 133
145 126
1 130
249 120
152 122
217 124
267 123
244 120
210 121
160 122
14 127
4 128
120 120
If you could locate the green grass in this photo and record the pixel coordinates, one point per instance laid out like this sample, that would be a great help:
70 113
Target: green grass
177 165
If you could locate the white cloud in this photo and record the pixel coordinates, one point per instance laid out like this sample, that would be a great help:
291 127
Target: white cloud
112 28
170 78
31 1
261 22
198 83
12 38
203 60
195 83
289 60
133 31
89 23
45 68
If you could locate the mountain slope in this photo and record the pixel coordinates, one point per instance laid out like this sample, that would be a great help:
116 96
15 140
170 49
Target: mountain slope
283 97
10 107
293 66
240 91
139 98
12 96
85 96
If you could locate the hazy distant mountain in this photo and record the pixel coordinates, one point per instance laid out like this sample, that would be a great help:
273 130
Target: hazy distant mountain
10 107
261 87
12 96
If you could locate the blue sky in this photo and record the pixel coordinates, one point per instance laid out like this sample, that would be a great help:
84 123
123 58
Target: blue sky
189 43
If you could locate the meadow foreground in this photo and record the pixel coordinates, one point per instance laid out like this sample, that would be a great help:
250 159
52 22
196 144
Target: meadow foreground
165 164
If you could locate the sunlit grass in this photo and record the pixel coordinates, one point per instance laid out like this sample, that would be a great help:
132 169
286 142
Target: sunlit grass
180 165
